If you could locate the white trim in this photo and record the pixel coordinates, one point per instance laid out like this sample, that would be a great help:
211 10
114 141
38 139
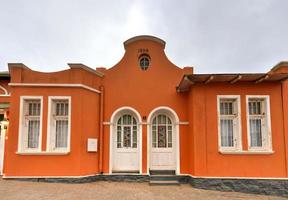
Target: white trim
48 142
175 120
54 85
268 134
20 133
247 152
112 120
6 93
5 123
43 153
238 134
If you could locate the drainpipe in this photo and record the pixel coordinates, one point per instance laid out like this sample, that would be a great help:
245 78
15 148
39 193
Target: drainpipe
284 128
101 129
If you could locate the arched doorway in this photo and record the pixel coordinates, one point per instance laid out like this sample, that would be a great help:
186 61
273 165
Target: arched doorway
163 140
125 141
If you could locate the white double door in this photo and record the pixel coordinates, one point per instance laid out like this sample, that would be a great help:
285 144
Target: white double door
162 144
126 145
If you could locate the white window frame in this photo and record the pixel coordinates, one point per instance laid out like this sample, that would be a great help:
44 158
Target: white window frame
50 144
23 131
238 130
267 144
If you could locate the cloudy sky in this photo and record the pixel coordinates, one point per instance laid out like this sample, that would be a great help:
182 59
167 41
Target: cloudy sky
214 36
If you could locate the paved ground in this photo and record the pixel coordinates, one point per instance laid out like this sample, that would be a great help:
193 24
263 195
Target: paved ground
112 190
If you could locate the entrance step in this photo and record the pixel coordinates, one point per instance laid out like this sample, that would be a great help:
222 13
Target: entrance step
164 182
163 179
162 172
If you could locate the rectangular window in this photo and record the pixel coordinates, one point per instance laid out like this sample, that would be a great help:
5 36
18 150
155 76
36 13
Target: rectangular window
259 136
59 124
229 122
30 124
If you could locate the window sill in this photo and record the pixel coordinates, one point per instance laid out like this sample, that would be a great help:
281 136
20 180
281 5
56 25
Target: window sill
43 153
254 152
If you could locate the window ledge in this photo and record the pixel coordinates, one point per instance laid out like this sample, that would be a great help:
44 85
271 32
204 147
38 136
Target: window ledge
247 152
42 153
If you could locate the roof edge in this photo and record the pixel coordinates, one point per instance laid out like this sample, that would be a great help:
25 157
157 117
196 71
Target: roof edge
144 37
86 68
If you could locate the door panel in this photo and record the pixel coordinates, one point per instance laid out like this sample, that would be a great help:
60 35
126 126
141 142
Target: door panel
125 145
162 144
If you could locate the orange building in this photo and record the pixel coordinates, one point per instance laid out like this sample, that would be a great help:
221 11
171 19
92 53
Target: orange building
142 117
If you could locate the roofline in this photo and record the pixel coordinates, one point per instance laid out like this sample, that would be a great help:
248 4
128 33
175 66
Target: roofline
5 74
280 64
144 37
86 68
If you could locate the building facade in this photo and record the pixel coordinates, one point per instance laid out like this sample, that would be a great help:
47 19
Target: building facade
142 115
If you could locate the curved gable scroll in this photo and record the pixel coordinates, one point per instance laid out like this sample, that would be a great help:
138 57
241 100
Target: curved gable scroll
6 93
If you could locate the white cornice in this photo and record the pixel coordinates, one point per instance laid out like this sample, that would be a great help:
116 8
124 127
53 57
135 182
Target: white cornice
54 85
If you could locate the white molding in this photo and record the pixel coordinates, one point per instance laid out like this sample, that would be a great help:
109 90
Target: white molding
112 128
239 123
268 134
6 93
42 153
48 142
107 123
20 132
248 152
54 85
3 138
171 113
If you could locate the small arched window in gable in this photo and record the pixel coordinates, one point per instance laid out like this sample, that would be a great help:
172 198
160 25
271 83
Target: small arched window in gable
144 61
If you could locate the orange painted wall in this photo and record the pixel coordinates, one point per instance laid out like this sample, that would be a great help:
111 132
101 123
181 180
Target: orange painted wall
126 84
204 125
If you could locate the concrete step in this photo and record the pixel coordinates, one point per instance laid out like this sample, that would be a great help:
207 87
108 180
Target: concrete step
164 178
162 172
166 182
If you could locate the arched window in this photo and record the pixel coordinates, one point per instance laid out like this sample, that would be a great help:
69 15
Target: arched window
161 132
144 61
127 132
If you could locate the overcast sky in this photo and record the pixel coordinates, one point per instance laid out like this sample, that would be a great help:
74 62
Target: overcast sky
214 36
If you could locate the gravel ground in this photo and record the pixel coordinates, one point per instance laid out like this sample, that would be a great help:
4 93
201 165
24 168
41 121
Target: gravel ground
11 189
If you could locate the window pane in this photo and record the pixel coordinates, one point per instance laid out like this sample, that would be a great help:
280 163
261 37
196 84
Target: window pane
61 133
134 136
169 136
127 136
162 136
255 107
226 107
226 132
33 133
255 132
154 136
119 135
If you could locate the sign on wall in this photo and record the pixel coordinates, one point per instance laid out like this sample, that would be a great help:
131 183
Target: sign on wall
92 145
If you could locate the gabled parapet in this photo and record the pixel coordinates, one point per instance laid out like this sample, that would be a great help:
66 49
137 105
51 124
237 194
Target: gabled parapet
77 74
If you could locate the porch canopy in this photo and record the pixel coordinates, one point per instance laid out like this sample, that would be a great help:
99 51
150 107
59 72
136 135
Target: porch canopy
254 78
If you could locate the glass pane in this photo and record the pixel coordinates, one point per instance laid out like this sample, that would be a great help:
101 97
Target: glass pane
127 136
134 136
227 133
255 132
255 106
33 133
61 133
169 136
154 144
34 108
162 137
226 107
119 136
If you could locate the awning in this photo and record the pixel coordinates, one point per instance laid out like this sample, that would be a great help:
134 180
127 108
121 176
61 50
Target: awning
255 78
